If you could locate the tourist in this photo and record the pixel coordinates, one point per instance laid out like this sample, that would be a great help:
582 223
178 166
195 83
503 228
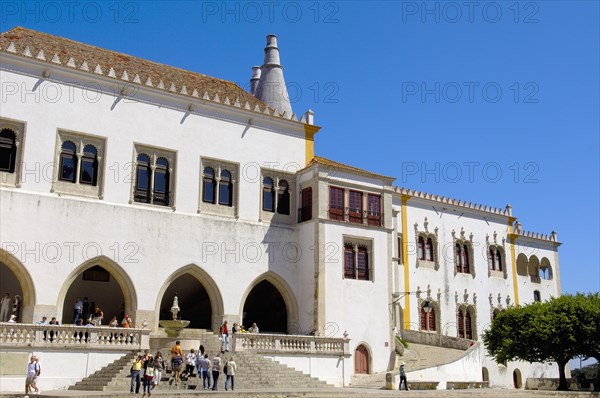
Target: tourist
148 374
235 328
5 303
53 321
159 366
253 328
243 329
176 361
113 322
403 377
224 337
204 368
190 362
216 369
136 368
230 369
17 304
77 310
13 319
44 321
33 371
97 316
127 322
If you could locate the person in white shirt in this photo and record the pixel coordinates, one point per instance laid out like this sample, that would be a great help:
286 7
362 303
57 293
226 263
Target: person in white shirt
33 371
231 369
216 369
190 362
253 328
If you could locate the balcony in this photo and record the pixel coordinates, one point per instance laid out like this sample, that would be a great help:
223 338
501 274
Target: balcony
156 198
356 216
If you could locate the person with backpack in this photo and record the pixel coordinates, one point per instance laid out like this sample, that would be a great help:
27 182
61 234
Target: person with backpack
176 361
33 372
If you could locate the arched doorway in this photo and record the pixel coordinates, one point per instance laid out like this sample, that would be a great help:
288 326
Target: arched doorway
16 280
266 307
9 283
194 301
485 374
100 288
517 382
361 360
103 282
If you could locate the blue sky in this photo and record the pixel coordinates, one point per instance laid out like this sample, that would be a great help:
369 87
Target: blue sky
493 102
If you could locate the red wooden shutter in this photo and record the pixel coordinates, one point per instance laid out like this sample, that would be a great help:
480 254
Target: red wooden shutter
374 210
362 263
356 209
349 262
461 324
336 203
468 330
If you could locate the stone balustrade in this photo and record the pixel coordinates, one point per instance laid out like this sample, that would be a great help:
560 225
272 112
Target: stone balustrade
290 344
19 335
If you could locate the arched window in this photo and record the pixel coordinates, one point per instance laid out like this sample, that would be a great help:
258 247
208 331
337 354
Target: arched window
268 195
427 316
161 182
208 185
465 328
89 166
225 189
458 258
68 162
142 181
465 256
429 249
499 265
421 248
8 150
283 198
462 258
492 259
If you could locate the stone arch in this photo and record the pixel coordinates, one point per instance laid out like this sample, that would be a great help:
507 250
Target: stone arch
546 269
517 379
361 349
286 293
116 271
25 281
214 294
522 265
534 266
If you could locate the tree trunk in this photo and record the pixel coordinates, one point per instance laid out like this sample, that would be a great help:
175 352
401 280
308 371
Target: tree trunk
562 383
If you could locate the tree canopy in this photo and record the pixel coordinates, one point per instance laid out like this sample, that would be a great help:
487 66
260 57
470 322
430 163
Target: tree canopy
557 330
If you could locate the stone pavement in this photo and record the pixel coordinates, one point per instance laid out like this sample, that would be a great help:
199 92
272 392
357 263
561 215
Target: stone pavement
327 393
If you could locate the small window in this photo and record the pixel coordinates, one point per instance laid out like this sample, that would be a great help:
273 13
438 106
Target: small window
153 177
268 195
283 198
421 248
362 264
68 162
89 166
225 189
161 182
208 185
374 209
8 150
462 258
356 261
306 206
336 203
537 297
355 210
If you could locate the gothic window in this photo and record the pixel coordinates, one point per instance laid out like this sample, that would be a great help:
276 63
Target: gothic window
427 317
465 323
462 257
142 180
209 184
268 195
68 162
429 249
153 177
89 166
421 248
283 198
225 189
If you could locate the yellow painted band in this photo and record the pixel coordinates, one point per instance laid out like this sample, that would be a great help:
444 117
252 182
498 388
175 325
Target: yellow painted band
406 309
511 238
309 141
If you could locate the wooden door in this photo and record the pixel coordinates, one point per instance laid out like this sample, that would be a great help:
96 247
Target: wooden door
361 360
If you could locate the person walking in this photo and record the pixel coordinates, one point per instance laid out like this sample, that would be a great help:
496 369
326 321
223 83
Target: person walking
403 377
176 361
224 337
216 369
33 372
136 368
148 374
231 368
159 366
204 367
190 362
5 303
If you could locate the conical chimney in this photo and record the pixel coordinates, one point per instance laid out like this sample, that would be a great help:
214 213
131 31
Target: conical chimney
256 72
271 87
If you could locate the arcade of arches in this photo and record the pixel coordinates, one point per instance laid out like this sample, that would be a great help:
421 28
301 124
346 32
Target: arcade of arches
193 300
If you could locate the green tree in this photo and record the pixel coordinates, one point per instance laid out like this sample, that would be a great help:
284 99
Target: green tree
557 330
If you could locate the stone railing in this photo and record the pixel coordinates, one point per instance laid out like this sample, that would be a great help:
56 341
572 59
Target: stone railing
19 335
290 344
439 340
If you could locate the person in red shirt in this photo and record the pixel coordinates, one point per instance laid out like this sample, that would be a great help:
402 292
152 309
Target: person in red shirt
224 337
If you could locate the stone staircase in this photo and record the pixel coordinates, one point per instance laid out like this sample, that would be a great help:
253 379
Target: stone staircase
416 357
253 370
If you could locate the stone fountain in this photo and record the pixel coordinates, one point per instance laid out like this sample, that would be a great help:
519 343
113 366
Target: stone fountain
174 326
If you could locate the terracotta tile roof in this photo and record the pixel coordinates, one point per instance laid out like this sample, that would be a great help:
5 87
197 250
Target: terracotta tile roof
71 54
344 167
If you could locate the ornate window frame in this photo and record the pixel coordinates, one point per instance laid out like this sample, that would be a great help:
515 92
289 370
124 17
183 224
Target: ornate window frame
358 245
278 190
496 248
436 308
463 241
154 153
468 311
13 179
218 208
425 235
77 187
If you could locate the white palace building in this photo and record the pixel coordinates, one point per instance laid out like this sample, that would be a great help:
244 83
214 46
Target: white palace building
127 181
